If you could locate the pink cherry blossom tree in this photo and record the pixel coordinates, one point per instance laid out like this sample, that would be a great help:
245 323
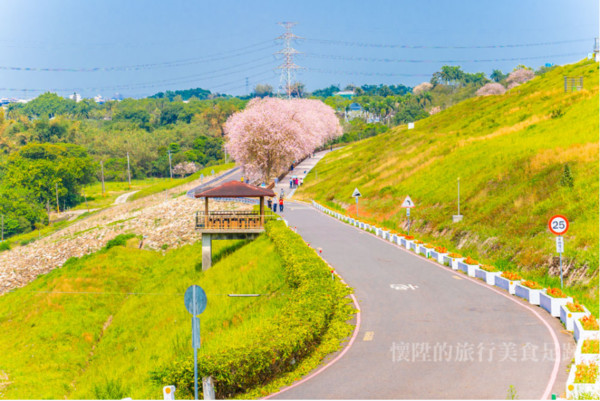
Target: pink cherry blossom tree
270 133
491 88
519 76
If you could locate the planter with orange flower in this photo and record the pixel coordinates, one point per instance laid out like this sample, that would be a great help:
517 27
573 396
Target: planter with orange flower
452 260
588 351
507 281
417 247
552 298
407 241
571 312
585 327
583 382
438 254
399 238
487 273
426 249
529 290
469 266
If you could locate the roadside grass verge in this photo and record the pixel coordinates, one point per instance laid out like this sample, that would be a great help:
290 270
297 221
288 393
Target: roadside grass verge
99 325
245 359
510 152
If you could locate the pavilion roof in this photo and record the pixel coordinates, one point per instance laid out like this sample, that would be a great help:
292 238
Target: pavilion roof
235 189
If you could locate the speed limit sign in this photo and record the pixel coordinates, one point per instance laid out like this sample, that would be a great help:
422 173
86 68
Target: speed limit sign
558 225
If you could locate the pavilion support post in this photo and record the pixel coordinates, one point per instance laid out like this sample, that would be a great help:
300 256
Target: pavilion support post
206 251
206 221
262 211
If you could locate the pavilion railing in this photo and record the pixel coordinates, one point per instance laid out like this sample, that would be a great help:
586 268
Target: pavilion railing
231 220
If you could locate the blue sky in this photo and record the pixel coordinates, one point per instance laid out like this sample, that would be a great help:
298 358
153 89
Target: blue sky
140 47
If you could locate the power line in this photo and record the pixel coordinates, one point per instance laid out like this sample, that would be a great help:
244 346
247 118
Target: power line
151 84
137 67
368 73
408 46
395 60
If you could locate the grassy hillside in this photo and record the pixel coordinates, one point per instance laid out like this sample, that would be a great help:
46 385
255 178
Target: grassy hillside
98 326
510 152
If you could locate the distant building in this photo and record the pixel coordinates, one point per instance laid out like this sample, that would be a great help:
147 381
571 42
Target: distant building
75 96
99 99
345 94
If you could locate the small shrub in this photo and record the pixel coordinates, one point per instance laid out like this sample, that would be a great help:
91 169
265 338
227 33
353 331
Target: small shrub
110 390
557 112
4 246
567 178
119 240
164 247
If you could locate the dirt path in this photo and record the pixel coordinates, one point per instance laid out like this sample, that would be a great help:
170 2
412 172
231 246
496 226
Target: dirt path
123 198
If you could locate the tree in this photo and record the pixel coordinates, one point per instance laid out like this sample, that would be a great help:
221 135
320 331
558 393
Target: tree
185 168
497 76
263 90
272 133
492 88
519 76
422 87
39 168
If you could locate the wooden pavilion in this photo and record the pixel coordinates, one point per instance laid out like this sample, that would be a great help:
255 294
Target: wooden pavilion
230 224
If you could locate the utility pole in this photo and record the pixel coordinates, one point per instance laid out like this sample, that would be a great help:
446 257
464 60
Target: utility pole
102 169
288 67
128 171
57 204
170 168
247 87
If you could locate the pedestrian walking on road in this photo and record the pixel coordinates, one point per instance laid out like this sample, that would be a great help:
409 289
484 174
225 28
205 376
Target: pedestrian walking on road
275 205
270 203
281 193
280 205
291 183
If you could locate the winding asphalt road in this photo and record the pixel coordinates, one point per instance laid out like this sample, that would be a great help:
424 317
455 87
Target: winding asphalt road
427 331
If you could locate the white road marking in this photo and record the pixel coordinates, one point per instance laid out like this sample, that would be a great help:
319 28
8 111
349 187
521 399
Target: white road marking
403 287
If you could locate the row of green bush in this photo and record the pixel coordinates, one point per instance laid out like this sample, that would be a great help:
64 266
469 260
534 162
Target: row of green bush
272 348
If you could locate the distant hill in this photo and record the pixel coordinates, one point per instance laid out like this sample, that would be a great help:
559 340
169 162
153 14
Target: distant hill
521 158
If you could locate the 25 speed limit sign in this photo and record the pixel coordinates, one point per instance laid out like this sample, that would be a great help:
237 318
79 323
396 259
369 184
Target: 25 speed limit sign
558 225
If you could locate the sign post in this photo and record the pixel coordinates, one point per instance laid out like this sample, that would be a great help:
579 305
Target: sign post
559 225
408 204
356 195
195 303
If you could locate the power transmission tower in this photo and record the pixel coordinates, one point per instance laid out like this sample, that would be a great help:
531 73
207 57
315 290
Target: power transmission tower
288 67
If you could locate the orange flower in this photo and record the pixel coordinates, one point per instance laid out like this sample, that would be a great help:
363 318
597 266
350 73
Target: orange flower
440 249
586 373
409 237
556 293
575 307
455 255
590 346
511 276
419 242
488 268
470 261
531 284
429 246
589 322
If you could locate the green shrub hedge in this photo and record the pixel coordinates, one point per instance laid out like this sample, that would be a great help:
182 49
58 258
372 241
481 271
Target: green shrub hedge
273 348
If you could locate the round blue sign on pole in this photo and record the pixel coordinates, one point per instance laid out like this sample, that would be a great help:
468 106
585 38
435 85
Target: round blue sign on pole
195 300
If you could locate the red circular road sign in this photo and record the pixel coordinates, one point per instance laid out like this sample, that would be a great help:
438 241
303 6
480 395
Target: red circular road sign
558 224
